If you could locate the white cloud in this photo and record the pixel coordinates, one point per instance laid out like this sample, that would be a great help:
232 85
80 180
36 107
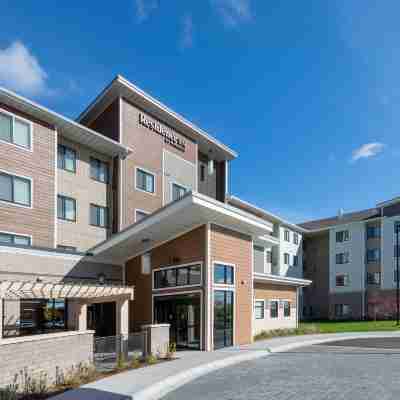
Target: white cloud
144 8
187 32
233 12
367 150
21 71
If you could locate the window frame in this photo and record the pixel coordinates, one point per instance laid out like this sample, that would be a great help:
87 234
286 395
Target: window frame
373 275
295 260
63 164
177 267
21 178
284 309
374 228
262 309
277 309
225 284
106 218
174 183
284 258
13 235
148 172
295 238
343 233
63 217
346 279
286 235
98 165
373 260
23 120
346 260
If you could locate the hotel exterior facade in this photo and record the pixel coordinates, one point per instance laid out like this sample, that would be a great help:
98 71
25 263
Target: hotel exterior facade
124 218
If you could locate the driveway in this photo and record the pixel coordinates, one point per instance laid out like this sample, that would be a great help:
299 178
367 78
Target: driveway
349 369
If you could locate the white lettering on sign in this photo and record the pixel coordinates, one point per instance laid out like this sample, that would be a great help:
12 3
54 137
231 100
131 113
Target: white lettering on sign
169 137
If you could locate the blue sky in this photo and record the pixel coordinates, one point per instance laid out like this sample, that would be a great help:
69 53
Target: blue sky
307 92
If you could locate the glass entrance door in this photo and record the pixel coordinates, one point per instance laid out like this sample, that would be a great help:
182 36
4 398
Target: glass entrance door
223 318
182 312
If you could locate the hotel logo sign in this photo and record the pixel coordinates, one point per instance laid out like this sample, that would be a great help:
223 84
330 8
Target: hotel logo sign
169 137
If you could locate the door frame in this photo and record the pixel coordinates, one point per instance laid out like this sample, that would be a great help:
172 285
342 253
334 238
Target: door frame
178 294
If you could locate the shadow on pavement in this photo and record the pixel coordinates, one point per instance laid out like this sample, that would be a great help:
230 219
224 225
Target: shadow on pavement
90 394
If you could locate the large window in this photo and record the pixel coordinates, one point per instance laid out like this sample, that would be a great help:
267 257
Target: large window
342 280
259 309
178 191
342 236
98 216
342 310
373 232
286 309
223 274
373 255
66 208
15 130
99 170
14 189
223 318
10 238
66 158
145 181
343 258
273 309
188 275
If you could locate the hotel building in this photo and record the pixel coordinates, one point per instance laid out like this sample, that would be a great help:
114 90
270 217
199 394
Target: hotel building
124 218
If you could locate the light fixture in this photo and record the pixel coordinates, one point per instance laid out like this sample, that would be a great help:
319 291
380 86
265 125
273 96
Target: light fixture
211 167
101 278
145 240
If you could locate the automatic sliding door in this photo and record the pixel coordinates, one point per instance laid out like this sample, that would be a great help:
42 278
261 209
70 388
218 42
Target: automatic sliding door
223 318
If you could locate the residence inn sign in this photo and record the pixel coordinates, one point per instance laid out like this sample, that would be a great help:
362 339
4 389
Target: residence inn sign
169 137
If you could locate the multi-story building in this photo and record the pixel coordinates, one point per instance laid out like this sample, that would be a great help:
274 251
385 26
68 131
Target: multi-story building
124 218
351 259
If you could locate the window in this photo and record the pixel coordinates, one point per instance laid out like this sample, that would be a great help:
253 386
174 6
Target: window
268 256
286 235
342 310
139 215
99 170
202 173
343 258
286 309
223 274
373 255
295 238
295 261
259 309
373 232
15 130
395 275
396 251
374 278
66 158
273 309
66 208
177 276
177 191
342 280
145 181
342 236
15 189
10 238
396 224
66 248
286 258
98 216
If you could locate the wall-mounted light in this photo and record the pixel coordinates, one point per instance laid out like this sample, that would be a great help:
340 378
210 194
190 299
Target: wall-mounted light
211 167
101 279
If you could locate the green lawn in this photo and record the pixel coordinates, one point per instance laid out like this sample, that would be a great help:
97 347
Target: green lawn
351 326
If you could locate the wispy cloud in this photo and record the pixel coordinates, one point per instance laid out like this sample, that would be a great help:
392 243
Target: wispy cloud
233 12
20 70
187 32
367 150
144 8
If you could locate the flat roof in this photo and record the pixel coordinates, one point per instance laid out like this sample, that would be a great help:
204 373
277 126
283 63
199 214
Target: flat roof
121 87
65 126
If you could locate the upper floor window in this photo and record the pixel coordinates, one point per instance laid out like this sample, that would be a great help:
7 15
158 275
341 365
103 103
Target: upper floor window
373 255
145 181
15 189
202 172
177 276
99 170
395 277
259 309
295 238
342 236
273 307
223 274
295 261
373 232
15 130
342 280
66 158
286 258
396 226
11 238
268 256
374 278
343 258
140 214
286 235
178 191
66 208
98 216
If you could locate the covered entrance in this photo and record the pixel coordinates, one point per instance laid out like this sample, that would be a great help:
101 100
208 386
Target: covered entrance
101 318
183 313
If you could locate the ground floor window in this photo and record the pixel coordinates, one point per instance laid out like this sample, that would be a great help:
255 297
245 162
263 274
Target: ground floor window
223 318
34 316
342 310
273 307
259 309
286 309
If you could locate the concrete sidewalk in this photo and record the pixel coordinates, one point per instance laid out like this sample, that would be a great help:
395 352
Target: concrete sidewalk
154 382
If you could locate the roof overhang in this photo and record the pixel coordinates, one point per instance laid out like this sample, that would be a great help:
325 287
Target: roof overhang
191 211
14 290
390 202
281 280
65 126
121 87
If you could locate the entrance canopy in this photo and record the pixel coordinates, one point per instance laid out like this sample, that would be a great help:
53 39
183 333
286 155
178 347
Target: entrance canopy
191 211
281 280
14 290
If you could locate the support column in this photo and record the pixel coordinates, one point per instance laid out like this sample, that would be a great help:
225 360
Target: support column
1 317
82 317
123 324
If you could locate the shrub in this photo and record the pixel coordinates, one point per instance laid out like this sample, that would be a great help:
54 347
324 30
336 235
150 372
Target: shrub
171 351
151 359
312 329
135 362
121 362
